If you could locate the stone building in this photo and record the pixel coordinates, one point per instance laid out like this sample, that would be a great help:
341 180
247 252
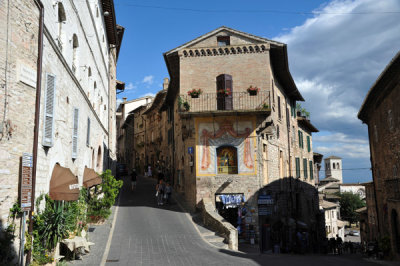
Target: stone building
368 218
81 42
381 112
333 225
123 111
241 143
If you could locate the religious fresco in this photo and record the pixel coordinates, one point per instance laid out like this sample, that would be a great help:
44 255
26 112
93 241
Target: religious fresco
225 142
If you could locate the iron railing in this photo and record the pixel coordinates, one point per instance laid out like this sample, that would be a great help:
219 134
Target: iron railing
242 101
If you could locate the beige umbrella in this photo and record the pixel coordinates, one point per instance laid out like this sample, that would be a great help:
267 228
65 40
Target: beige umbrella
91 178
63 184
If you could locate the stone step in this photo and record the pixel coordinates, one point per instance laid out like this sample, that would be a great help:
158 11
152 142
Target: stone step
220 245
214 238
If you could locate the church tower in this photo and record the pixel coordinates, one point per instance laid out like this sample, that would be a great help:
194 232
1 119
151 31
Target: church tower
333 168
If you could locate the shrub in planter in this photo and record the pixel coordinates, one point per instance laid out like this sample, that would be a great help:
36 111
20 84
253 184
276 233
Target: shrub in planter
103 198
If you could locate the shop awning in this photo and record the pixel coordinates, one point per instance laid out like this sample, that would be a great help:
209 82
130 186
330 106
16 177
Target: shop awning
91 178
63 184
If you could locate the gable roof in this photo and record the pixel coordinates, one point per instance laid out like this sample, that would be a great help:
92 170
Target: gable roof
220 29
278 55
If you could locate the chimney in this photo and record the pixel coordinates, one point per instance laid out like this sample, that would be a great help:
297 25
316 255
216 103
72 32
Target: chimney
124 99
165 83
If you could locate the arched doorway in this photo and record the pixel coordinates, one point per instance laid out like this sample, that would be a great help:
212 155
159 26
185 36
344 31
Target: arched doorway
227 160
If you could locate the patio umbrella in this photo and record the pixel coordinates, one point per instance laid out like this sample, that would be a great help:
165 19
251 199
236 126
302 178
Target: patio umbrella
91 178
63 184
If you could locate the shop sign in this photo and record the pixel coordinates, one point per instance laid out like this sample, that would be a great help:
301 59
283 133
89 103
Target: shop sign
265 199
190 150
26 182
264 210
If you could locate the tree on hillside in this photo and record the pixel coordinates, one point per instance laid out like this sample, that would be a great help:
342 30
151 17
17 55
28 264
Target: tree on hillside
349 203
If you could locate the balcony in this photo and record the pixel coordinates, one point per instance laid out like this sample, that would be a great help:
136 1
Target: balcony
217 104
393 189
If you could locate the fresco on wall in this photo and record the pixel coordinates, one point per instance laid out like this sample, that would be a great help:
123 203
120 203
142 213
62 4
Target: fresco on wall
213 136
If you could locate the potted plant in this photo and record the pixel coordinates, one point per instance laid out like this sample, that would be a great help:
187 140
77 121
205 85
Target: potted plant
194 93
253 90
225 92
186 106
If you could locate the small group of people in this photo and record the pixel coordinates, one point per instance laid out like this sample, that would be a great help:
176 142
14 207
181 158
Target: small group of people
163 192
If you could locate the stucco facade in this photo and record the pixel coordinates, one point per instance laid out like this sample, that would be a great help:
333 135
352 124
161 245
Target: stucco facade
228 141
77 100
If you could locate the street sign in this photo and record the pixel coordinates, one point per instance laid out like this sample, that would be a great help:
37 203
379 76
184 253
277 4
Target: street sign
190 150
26 182
265 199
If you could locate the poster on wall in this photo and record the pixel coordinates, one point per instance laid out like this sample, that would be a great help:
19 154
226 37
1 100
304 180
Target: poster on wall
225 147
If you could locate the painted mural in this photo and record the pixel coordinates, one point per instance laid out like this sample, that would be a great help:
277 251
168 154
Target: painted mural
225 147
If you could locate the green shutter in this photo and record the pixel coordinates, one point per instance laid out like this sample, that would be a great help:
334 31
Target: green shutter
308 144
299 139
311 171
297 167
305 168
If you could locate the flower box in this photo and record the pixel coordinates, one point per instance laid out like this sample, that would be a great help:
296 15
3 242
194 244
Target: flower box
253 90
195 93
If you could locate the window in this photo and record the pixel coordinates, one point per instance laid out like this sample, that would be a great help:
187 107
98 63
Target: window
280 164
264 148
334 166
311 171
305 168
88 133
308 144
61 20
298 167
293 108
273 91
89 72
98 159
227 160
50 96
75 45
337 166
279 108
223 40
75 134
224 92
277 132
301 139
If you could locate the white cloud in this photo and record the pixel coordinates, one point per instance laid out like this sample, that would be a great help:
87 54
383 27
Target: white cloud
119 101
148 94
130 86
334 59
148 80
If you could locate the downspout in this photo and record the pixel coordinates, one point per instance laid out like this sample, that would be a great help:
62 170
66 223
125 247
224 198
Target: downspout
37 115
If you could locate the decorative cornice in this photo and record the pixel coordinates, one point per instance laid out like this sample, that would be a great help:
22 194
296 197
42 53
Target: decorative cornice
225 50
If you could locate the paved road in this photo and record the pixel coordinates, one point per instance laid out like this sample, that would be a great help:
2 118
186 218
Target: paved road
147 234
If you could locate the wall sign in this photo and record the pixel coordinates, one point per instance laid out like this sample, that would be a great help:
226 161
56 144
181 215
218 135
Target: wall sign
26 182
190 150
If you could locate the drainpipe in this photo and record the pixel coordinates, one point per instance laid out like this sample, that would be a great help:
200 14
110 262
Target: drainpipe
37 114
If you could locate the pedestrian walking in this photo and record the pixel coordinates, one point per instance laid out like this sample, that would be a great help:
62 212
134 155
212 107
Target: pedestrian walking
168 193
160 192
149 174
133 179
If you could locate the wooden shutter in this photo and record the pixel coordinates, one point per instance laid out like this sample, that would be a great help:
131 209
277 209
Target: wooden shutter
88 132
48 128
298 167
308 144
311 171
75 134
305 168
224 100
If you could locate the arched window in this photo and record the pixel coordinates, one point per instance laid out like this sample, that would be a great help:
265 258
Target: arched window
337 166
98 165
75 45
334 166
95 85
227 160
93 159
61 20
224 92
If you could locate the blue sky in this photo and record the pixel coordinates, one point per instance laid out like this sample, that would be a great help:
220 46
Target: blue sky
336 51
